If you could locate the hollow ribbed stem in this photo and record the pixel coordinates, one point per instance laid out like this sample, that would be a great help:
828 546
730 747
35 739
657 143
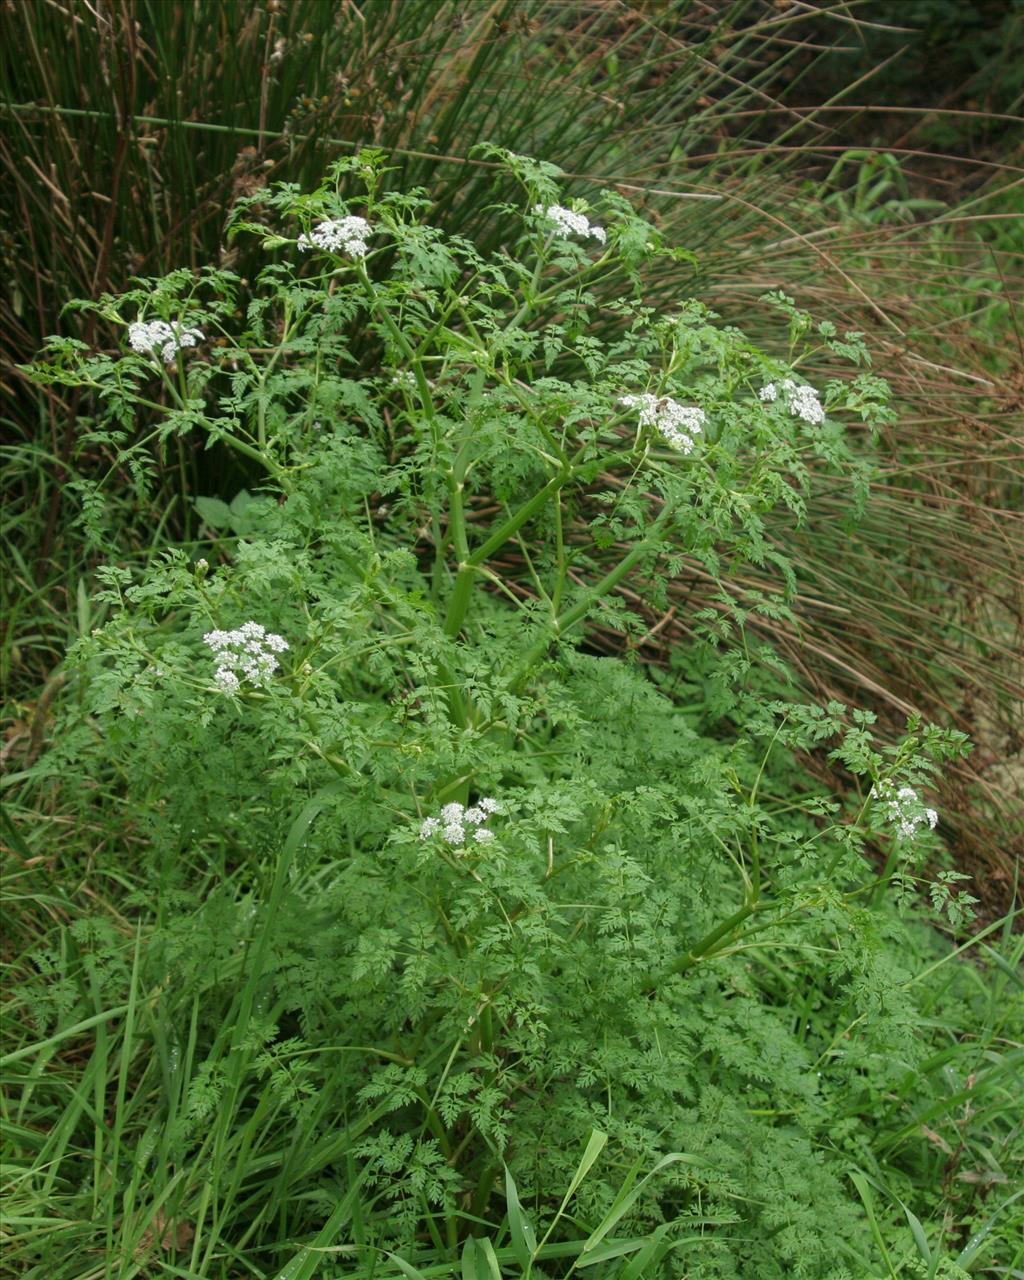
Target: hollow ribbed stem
707 945
579 610
462 592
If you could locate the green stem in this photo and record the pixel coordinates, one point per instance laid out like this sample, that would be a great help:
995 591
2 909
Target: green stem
707 944
462 593
261 403
563 566
529 294
484 1187
886 876
446 314
434 1123
401 342
533 299
515 522
607 584
257 455
755 845
538 421
837 856
249 451
457 525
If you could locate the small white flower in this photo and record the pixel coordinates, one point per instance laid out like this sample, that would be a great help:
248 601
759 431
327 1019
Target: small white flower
679 424
339 235
569 222
249 651
146 337
143 336
801 401
454 819
905 810
226 680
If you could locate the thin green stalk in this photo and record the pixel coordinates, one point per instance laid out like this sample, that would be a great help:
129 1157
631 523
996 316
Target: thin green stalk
608 583
279 473
886 874
261 400
67 1033
530 291
563 564
707 944
458 604
468 563
127 1045
456 480
515 522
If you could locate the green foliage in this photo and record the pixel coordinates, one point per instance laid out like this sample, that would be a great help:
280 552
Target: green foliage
880 191
435 899
150 119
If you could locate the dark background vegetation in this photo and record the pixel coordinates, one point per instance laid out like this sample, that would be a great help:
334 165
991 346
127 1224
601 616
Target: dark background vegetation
866 158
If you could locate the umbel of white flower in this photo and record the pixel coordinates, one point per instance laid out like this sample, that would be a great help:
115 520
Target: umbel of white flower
905 810
569 222
339 235
147 337
801 401
680 424
248 653
456 818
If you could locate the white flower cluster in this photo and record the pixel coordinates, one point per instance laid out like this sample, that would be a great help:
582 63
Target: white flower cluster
801 401
248 652
339 235
570 223
455 818
904 808
146 337
680 424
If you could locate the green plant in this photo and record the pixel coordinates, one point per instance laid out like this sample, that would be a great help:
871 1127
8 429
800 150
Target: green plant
151 119
422 891
879 192
701 113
